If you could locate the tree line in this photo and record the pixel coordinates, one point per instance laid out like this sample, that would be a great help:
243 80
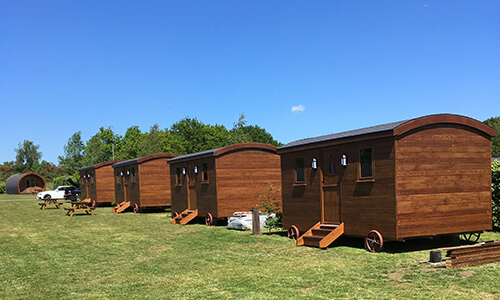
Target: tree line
186 136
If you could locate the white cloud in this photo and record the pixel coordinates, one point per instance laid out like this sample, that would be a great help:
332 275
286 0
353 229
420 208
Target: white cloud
299 107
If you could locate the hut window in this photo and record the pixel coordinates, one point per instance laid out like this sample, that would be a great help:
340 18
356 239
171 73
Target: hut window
331 170
133 175
92 178
366 162
178 176
205 172
299 169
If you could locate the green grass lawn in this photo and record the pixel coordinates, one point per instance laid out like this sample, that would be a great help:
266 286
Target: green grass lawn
48 255
17 197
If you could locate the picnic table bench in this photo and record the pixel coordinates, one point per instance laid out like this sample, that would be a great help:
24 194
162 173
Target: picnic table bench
86 205
49 201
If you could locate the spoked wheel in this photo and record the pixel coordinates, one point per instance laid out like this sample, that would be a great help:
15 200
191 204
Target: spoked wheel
93 203
293 232
136 208
175 215
470 237
374 241
209 219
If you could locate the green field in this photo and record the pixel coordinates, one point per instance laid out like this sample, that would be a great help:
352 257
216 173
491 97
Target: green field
47 255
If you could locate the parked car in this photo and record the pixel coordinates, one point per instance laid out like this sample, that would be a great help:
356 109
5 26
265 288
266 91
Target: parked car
73 192
56 193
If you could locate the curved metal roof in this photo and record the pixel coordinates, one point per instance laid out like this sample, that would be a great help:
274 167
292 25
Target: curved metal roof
222 150
395 128
12 183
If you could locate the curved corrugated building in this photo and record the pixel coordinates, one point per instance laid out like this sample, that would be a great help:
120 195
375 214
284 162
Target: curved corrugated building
27 183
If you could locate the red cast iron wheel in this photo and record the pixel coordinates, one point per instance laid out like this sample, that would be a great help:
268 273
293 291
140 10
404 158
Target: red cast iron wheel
93 203
136 208
470 237
293 232
209 219
374 241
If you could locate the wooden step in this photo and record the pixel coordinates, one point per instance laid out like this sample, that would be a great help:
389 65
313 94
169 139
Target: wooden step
185 217
329 226
121 207
321 232
321 235
312 240
189 217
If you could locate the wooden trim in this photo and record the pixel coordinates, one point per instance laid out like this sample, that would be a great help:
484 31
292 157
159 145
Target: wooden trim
156 156
368 179
245 146
331 185
396 223
104 164
444 118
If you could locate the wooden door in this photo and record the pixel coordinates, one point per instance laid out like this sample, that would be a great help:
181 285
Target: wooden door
330 170
191 187
331 204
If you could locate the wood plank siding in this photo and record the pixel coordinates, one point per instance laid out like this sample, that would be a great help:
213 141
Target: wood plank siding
96 182
237 175
145 181
364 205
443 180
426 176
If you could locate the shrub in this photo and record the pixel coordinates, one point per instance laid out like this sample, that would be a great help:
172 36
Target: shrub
271 206
495 193
2 188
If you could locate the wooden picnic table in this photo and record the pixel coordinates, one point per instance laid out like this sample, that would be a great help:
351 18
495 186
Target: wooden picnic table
79 206
49 201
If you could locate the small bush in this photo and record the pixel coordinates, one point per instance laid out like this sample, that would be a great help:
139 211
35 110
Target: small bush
495 193
271 206
2 188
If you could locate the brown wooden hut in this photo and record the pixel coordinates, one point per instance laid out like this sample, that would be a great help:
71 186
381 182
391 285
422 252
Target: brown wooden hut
421 177
97 182
27 183
216 183
143 182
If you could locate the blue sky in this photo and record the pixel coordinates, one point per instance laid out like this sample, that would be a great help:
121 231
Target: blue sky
67 66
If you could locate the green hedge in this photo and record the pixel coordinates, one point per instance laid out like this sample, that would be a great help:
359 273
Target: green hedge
495 191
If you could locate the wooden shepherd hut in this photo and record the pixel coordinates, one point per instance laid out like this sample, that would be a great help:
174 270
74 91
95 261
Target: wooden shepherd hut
27 183
417 178
97 182
143 182
216 183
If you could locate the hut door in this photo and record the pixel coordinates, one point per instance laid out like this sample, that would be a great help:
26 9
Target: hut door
331 202
192 187
330 166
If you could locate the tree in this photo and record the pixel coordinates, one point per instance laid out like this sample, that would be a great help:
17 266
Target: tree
73 153
495 141
27 157
100 147
238 134
49 171
191 135
131 144
151 143
495 194
242 133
